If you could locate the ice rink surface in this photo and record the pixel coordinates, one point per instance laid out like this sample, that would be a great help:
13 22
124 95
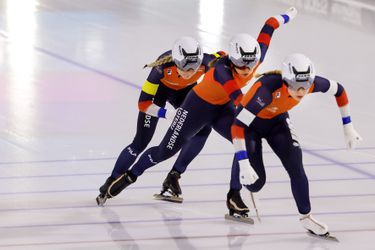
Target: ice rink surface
70 77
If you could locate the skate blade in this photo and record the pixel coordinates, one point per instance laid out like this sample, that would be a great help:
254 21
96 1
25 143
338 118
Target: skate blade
239 218
326 236
168 198
255 207
101 200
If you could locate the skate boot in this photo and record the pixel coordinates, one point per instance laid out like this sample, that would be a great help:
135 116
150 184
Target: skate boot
102 197
120 184
113 187
171 187
238 211
315 227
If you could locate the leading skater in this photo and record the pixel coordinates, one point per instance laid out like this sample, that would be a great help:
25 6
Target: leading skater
172 76
263 113
210 103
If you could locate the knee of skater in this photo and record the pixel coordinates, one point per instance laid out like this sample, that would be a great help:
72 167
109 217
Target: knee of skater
133 149
163 155
138 147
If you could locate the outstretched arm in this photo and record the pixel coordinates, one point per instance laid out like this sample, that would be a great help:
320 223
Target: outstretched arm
264 39
321 84
270 26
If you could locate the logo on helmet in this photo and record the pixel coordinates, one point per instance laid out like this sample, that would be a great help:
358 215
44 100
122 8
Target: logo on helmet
301 76
190 57
247 57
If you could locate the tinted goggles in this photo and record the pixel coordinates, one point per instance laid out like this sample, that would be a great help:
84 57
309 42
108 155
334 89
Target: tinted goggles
192 62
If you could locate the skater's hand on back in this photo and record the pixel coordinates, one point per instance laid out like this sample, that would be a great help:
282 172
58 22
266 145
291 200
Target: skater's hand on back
247 173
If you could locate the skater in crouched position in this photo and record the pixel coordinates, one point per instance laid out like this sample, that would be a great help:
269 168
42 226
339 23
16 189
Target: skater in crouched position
263 113
172 76
210 103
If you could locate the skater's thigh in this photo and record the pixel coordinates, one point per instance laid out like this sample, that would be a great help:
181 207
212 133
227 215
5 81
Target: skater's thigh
223 122
287 148
188 121
255 151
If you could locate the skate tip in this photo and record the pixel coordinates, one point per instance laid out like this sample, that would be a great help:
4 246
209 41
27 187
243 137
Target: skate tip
100 201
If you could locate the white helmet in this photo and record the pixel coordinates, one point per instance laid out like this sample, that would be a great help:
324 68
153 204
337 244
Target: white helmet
244 51
187 53
298 71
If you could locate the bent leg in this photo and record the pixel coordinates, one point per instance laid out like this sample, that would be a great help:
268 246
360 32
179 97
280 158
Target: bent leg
191 117
224 120
146 126
191 149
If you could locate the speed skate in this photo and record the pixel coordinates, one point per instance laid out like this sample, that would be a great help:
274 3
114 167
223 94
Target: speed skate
239 218
171 187
170 198
316 228
238 211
